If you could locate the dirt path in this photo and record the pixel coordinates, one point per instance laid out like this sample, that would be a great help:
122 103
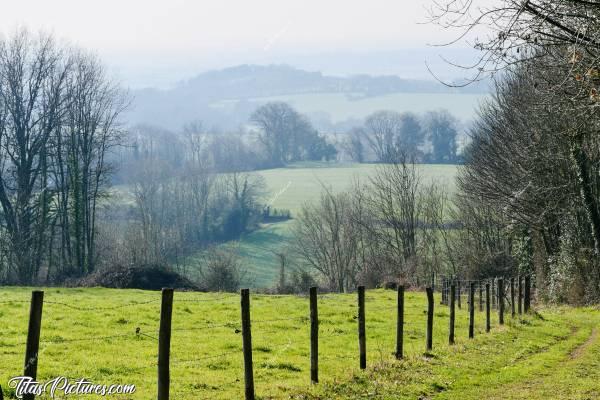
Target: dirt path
577 377
583 348
570 370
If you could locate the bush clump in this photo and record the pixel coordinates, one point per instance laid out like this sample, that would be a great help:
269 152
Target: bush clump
148 277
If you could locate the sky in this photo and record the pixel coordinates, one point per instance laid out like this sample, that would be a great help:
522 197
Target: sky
158 42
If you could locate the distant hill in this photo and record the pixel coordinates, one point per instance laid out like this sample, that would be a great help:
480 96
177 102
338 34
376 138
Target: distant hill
226 97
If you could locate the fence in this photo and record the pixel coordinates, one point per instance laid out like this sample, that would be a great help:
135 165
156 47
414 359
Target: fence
517 293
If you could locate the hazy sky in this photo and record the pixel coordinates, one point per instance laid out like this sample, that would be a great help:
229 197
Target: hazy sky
148 41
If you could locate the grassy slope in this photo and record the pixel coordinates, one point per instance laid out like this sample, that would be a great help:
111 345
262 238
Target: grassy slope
289 188
534 358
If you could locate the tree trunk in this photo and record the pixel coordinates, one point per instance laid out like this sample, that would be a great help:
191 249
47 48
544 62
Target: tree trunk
579 159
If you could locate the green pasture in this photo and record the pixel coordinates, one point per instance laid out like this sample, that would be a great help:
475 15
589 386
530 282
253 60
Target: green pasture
91 333
291 187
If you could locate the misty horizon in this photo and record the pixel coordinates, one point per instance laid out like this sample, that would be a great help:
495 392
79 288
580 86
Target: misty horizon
158 44
424 64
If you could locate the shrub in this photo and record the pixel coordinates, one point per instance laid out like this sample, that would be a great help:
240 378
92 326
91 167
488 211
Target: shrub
221 271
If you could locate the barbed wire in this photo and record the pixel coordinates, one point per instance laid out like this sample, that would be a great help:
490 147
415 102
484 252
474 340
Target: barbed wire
204 358
89 339
279 320
138 332
14 301
232 299
133 304
79 308
212 326
337 357
61 340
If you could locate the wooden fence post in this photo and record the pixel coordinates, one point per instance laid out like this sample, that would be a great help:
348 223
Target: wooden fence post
362 337
472 311
400 324
480 296
487 307
247 345
164 344
443 297
33 337
512 297
452 314
314 336
527 303
520 286
494 293
501 301
429 344
447 292
458 294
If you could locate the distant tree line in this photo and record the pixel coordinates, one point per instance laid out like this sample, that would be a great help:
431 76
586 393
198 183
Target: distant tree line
287 136
387 135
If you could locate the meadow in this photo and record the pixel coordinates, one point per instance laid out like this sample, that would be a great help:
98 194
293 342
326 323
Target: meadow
91 333
291 187
342 106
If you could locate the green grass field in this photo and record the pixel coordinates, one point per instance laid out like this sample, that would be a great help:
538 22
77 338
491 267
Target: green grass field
554 354
341 106
290 188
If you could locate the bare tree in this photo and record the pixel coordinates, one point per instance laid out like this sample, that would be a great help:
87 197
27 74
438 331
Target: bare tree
353 145
391 134
394 201
33 76
567 30
79 149
437 230
326 239
441 128
381 131
284 133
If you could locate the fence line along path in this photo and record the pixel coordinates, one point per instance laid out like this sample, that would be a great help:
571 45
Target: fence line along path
520 292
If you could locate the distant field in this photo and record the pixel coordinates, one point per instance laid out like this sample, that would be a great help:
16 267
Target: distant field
289 188
341 106
91 333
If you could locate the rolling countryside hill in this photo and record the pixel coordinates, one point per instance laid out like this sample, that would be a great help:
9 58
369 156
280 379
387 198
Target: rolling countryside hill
225 98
